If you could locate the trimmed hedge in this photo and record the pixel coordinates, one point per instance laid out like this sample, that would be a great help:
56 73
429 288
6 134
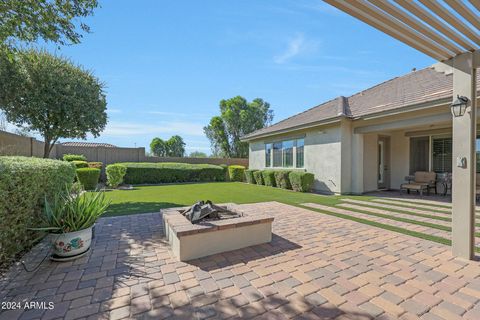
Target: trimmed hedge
96 165
24 184
225 171
301 181
249 176
269 178
115 174
236 173
168 172
80 164
258 176
74 157
88 177
282 179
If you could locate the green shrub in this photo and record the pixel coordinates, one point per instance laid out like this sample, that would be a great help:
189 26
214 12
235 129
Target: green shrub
88 177
258 176
249 176
74 157
282 180
115 174
96 165
236 173
24 185
152 173
301 181
269 178
225 171
80 164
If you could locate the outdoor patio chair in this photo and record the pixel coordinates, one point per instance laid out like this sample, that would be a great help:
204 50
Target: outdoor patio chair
420 182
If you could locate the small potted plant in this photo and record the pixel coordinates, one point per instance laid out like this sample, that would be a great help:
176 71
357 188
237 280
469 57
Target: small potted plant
70 219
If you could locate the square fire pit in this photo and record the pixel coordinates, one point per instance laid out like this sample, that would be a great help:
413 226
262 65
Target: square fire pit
191 241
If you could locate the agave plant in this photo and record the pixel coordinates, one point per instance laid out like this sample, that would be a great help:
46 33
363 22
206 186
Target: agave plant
69 213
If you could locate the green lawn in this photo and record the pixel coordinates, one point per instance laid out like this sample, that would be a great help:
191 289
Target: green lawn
152 198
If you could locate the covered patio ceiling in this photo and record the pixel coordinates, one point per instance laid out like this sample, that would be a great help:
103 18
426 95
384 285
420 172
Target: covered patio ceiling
439 29
448 31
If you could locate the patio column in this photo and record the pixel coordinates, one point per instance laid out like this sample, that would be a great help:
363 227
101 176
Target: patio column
464 140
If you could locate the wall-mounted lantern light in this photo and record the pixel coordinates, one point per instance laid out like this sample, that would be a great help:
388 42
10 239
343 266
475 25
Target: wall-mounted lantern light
459 106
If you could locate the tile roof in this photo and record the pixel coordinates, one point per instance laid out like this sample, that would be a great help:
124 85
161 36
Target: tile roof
88 144
428 85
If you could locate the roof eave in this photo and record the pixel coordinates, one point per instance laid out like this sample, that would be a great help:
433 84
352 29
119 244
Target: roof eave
335 119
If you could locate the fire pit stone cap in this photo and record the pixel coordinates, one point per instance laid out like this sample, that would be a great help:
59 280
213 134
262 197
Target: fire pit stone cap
182 227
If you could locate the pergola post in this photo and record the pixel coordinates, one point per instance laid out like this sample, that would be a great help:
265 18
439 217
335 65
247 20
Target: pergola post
464 148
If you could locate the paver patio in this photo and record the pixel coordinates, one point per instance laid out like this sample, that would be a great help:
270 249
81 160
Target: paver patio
317 267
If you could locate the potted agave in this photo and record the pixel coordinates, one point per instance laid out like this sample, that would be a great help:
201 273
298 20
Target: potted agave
70 220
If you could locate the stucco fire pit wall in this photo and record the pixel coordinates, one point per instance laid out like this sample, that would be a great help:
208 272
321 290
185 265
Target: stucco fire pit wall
191 241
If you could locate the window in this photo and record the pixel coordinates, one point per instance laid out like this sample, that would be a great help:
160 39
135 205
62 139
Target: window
268 155
277 154
287 154
419 154
442 155
299 153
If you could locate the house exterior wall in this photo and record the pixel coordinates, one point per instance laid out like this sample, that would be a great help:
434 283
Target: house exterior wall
344 157
322 152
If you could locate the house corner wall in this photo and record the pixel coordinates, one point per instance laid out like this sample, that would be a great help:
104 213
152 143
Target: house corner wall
346 156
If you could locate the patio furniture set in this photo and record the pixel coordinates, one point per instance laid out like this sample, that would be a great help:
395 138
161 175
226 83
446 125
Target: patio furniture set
423 181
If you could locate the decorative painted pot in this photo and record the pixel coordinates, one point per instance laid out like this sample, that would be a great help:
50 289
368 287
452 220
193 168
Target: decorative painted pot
72 243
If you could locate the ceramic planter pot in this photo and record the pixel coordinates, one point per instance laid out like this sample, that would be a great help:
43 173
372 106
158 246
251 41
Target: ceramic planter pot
71 243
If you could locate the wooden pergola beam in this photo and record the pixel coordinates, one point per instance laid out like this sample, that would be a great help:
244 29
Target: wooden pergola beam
451 19
399 26
430 19
465 12
476 4
372 21
416 25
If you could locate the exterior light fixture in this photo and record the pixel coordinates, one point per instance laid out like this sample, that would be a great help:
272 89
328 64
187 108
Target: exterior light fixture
459 106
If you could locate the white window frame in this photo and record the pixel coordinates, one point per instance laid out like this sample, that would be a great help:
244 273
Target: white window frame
294 156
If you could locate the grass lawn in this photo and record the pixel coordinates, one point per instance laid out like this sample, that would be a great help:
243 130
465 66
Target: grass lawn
153 198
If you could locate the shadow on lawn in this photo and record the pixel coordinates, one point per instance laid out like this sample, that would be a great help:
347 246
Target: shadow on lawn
124 208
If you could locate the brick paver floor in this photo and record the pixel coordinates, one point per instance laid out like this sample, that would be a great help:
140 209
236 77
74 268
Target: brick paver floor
316 267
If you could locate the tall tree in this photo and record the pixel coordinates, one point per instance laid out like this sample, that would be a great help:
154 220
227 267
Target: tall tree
158 147
51 20
52 96
173 147
197 154
237 117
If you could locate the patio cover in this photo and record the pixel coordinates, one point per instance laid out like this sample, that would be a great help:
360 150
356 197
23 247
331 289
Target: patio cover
447 31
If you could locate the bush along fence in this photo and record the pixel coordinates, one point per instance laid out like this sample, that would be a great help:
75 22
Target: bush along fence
25 183
286 179
152 173
87 173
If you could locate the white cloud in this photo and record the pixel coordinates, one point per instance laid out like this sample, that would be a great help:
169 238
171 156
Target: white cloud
296 46
114 110
122 129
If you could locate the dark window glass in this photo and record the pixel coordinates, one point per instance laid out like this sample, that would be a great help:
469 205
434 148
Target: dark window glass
299 153
288 153
419 154
268 155
442 155
277 154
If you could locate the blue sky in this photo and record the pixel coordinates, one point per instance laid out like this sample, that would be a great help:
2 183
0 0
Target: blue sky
167 64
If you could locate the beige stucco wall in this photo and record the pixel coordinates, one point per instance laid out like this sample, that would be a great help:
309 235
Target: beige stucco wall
399 158
322 155
370 160
345 160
